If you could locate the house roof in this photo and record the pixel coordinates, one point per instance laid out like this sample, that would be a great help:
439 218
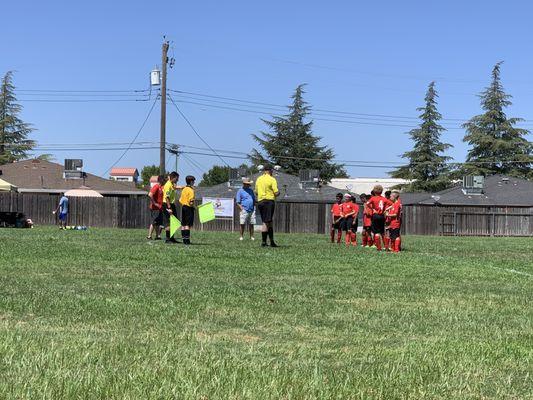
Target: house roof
289 187
499 190
47 177
122 171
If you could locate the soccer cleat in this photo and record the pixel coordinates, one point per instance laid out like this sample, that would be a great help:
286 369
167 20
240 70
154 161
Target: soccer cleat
264 244
252 238
272 244
241 238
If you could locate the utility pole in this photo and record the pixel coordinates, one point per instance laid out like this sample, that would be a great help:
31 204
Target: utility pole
163 137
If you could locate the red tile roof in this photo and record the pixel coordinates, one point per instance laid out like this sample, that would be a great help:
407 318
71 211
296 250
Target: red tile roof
123 171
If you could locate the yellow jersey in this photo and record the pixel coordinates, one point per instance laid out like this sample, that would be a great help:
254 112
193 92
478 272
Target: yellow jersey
187 196
266 187
169 192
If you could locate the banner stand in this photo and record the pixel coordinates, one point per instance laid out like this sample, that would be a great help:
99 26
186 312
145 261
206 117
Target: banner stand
224 209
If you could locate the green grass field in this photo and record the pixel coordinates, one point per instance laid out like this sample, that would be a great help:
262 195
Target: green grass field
104 314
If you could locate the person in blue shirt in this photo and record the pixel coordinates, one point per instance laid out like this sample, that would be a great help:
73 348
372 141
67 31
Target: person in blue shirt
62 211
245 199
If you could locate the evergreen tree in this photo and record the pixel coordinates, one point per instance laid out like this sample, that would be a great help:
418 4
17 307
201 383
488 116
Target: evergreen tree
292 144
14 144
427 166
497 146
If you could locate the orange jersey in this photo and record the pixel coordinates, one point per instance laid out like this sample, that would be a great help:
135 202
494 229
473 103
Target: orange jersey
348 208
378 204
396 211
336 210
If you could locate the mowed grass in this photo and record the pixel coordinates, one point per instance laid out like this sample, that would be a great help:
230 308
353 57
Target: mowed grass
104 314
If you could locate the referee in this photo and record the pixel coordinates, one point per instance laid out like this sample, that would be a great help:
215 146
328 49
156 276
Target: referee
266 188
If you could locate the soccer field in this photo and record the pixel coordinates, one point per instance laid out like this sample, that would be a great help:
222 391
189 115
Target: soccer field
104 314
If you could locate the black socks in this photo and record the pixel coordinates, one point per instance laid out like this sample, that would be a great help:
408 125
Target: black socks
271 234
186 236
264 235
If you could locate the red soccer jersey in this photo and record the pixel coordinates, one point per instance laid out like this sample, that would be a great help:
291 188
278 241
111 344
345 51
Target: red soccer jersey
396 210
378 204
347 208
367 215
157 195
356 209
336 210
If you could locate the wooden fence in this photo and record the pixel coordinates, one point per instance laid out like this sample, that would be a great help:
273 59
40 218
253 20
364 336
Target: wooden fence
132 212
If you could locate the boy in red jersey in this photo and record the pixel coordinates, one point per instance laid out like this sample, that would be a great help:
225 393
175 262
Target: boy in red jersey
386 237
394 213
348 212
378 204
355 223
336 219
367 222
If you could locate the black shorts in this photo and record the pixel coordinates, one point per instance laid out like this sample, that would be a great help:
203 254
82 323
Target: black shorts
156 217
355 225
394 233
187 216
337 225
378 224
367 228
166 215
347 224
266 210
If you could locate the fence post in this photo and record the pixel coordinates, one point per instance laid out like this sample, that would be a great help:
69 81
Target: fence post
455 223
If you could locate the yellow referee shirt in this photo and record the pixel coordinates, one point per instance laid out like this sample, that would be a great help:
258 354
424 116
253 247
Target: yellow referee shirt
187 196
169 192
266 187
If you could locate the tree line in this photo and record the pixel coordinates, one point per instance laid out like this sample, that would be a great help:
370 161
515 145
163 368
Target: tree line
496 144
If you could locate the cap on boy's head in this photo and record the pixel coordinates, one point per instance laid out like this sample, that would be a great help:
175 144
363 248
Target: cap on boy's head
378 189
395 191
347 195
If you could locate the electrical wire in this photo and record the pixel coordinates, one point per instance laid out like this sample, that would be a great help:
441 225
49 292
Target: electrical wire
195 131
134 138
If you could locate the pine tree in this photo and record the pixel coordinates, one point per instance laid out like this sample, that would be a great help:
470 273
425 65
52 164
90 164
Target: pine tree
292 144
427 166
497 146
14 144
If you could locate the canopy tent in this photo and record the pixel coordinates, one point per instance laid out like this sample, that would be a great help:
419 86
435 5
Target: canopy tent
6 186
82 192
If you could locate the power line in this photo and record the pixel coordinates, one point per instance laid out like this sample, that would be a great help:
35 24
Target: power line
195 131
135 137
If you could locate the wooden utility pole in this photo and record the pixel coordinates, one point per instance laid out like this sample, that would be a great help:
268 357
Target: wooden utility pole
163 137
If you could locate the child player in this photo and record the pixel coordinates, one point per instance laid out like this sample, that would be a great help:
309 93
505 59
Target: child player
378 204
355 223
394 213
187 209
336 219
386 237
367 222
347 212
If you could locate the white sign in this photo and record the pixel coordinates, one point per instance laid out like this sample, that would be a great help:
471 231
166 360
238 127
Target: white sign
223 207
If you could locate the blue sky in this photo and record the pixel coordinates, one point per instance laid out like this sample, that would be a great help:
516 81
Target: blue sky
360 57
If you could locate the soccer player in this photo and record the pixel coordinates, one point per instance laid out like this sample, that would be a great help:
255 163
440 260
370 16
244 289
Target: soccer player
187 209
62 208
156 208
386 237
266 188
355 223
378 204
336 219
245 199
394 212
367 222
169 203
347 213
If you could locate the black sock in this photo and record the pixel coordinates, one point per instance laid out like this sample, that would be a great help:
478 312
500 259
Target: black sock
167 234
271 234
186 236
264 235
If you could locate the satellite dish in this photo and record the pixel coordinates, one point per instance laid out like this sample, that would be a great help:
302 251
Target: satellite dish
436 198
260 167
349 186
277 167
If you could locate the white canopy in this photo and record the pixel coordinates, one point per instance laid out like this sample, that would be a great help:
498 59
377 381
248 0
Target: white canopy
82 192
6 186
